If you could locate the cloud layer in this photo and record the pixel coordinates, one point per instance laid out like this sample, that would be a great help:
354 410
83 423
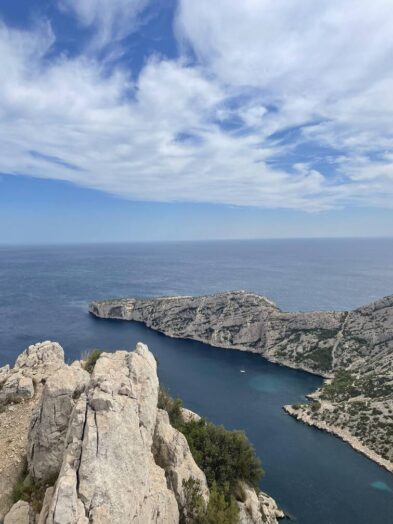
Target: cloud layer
282 105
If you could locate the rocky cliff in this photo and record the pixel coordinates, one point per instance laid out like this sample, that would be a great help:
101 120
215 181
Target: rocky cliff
96 447
237 320
357 406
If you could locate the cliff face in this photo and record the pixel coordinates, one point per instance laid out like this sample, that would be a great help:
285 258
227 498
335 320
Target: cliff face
98 448
358 408
237 320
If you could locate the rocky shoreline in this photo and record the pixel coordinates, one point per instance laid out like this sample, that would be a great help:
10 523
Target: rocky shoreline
358 343
354 442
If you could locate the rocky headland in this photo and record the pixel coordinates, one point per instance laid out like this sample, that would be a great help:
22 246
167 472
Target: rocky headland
88 443
352 350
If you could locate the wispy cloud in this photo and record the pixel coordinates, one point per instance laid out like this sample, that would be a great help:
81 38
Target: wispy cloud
214 129
111 20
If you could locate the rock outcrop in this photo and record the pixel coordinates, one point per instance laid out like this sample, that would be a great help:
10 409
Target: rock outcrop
359 342
36 363
108 472
100 447
20 392
18 514
258 509
49 424
172 453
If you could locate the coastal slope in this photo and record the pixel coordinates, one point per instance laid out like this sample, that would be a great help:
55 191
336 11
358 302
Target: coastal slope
352 349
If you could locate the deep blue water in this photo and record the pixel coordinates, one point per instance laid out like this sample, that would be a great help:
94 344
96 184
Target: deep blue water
315 477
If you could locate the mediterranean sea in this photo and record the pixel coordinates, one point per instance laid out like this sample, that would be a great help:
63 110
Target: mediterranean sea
314 476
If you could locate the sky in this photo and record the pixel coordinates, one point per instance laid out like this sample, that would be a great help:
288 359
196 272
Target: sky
132 120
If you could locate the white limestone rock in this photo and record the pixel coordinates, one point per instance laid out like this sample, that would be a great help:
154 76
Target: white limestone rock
45 506
4 373
50 422
189 416
108 455
16 388
112 455
41 359
35 364
257 509
172 453
18 514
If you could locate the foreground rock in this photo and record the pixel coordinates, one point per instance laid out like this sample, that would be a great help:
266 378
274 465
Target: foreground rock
20 393
108 472
359 342
102 449
258 509
50 422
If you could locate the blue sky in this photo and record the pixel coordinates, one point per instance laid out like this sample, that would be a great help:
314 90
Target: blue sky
175 119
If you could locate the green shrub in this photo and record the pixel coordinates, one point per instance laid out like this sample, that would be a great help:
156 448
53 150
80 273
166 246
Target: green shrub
221 508
315 406
194 510
30 490
340 388
172 406
297 406
322 358
225 456
90 360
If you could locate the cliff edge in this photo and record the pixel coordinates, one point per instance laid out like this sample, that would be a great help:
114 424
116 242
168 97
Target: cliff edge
79 447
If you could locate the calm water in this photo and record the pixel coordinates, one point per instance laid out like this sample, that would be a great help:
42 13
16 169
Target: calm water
315 477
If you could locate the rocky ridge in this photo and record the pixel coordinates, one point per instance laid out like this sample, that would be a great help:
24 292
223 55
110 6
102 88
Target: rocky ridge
357 407
97 447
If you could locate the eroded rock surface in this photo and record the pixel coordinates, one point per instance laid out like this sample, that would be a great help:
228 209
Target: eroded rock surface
99 441
49 424
18 514
257 509
20 392
173 454
108 472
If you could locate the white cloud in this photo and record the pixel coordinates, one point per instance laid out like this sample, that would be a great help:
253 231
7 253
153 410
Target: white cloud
169 135
112 20
313 60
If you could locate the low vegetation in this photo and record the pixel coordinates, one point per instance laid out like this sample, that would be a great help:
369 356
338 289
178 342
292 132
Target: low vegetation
361 405
90 360
30 490
346 386
322 358
226 457
220 509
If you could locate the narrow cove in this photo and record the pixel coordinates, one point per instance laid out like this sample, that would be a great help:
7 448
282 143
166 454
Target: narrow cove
314 476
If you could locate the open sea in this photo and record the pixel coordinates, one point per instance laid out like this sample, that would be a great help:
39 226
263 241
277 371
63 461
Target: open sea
316 478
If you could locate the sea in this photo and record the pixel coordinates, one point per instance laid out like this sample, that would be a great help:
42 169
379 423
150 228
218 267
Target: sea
315 477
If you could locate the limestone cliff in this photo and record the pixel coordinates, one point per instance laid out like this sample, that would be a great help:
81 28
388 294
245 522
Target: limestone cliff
357 407
98 449
237 320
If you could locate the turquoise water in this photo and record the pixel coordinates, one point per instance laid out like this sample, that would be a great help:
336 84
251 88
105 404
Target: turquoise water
381 486
315 477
